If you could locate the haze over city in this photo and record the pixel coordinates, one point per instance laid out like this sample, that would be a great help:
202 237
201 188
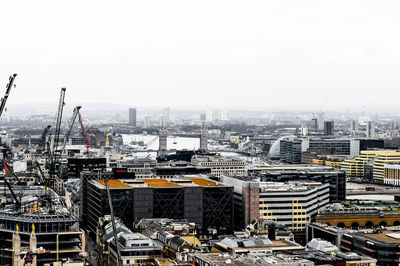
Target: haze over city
262 54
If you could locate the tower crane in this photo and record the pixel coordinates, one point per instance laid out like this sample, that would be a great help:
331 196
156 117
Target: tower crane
87 141
70 126
113 222
16 178
61 103
8 89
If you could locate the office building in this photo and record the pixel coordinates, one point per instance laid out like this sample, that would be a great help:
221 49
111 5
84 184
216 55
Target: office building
290 150
132 117
354 127
291 204
166 114
147 121
141 167
321 121
328 128
323 174
370 165
206 203
221 165
392 174
370 132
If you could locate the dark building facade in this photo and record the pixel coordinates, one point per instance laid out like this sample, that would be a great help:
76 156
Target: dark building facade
132 117
381 245
290 151
207 203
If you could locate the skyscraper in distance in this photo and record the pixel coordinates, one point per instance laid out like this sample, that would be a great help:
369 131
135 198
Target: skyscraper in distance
132 117
166 114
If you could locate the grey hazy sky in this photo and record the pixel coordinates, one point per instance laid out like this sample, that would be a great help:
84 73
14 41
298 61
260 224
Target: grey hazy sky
218 53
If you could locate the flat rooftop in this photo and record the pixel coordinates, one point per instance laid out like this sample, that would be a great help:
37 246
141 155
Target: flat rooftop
386 236
156 182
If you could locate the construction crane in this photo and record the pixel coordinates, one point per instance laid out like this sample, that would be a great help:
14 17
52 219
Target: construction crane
41 176
113 222
17 200
7 169
8 89
87 141
42 143
70 126
61 103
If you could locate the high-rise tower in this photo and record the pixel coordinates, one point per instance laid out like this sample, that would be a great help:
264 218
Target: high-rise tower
132 117
203 137
370 130
166 114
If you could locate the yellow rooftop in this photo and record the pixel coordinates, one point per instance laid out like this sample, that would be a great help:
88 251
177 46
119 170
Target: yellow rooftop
156 182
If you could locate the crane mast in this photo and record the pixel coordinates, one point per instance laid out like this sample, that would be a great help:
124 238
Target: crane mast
88 145
113 222
8 89
70 126
53 156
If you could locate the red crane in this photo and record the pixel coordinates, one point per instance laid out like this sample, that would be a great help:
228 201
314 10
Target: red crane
87 141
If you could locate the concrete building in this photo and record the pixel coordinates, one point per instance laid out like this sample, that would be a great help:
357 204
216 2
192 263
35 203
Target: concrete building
291 204
321 120
142 167
370 131
221 165
206 203
147 121
392 174
323 174
264 246
370 165
354 127
166 114
209 116
132 117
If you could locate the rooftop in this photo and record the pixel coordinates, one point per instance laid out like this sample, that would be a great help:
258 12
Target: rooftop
386 236
178 182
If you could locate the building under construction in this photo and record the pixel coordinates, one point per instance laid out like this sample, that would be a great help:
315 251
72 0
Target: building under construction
38 228
206 203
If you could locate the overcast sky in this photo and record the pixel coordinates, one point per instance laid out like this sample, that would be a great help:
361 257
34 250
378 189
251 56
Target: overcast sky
263 54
